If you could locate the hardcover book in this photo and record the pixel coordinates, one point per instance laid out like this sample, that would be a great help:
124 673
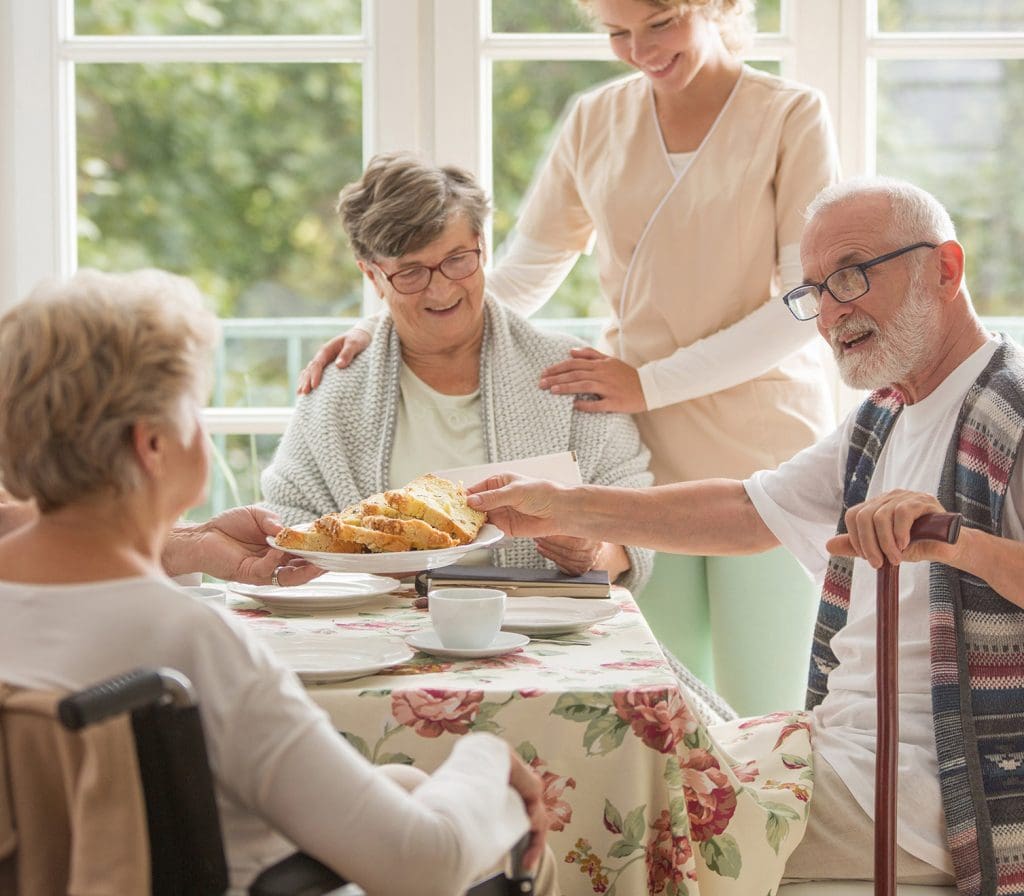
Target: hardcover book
517 581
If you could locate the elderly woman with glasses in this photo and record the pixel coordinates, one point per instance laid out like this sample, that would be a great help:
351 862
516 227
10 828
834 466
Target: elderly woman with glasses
450 378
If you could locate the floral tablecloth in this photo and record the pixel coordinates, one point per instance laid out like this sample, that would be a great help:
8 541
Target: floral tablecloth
641 797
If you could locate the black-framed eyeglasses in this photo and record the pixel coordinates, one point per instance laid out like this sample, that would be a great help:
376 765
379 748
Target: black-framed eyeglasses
844 285
417 278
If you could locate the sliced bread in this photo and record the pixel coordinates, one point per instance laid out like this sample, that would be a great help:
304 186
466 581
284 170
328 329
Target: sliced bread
421 535
315 538
440 503
343 529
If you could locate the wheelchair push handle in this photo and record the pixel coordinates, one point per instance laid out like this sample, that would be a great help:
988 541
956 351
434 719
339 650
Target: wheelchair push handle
124 693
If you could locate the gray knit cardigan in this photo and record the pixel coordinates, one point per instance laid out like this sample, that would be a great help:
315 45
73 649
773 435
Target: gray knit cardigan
337 448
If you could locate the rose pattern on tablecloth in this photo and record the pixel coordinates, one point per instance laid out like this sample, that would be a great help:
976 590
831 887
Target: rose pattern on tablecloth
554 785
431 712
658 716
640 796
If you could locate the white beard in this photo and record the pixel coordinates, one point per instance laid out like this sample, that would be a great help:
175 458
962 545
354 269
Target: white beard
897 351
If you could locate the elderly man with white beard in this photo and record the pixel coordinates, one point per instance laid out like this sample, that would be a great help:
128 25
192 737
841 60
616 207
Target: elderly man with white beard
884 278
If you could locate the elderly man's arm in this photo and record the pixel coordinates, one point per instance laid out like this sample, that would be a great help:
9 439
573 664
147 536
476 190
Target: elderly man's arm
879 530
707 517
233 546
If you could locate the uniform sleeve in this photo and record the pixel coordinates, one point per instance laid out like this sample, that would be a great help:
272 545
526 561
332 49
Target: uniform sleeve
808 162
736 354
528 274
613 454
554 214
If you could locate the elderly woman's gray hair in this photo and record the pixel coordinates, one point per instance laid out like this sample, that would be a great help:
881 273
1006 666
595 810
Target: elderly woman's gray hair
81 362
402 204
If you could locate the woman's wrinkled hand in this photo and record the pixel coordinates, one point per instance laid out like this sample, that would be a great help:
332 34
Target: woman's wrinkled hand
588 372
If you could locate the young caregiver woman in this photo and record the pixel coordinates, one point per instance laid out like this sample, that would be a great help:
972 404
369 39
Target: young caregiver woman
691 177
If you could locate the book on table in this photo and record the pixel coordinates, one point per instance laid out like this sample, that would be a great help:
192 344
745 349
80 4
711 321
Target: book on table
517 581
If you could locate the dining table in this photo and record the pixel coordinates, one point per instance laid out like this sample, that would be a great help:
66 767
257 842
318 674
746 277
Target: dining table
642 796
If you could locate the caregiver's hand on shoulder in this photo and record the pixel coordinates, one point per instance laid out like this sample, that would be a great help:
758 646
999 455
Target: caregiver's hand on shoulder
879 530
590 372
342 350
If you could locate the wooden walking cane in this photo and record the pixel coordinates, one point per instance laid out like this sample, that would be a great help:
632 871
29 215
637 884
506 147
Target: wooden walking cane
940 527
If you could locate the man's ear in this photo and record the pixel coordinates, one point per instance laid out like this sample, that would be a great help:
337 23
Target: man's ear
951 268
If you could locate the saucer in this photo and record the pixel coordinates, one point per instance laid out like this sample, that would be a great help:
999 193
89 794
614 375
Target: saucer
504 642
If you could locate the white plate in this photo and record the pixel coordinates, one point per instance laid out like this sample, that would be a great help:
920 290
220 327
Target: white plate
397 562
333 591
504 642
555 615
320 659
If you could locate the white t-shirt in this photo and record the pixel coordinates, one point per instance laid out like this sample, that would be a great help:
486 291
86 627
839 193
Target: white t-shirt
278 763
800 503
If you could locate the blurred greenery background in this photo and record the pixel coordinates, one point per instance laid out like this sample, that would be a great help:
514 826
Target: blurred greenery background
229 172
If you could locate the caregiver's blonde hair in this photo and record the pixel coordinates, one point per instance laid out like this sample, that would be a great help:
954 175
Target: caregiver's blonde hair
83 360
733 18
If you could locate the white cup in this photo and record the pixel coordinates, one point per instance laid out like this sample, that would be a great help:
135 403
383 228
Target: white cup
466 618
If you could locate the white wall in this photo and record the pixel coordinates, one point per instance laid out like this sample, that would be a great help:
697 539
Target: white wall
6 153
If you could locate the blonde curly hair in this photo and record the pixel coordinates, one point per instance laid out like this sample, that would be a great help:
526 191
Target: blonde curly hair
733 18
81 362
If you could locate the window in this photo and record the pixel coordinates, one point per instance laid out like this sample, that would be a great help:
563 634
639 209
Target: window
211 137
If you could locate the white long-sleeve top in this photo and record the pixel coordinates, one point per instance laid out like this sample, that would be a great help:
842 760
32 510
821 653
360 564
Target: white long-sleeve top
280 768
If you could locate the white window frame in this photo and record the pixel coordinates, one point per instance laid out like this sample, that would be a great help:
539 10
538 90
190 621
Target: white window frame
427 87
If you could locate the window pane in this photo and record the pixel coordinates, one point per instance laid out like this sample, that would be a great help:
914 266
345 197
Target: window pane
539 16
973 168
235 471
769 16
225 173
164 17
566 16
528 102
927 15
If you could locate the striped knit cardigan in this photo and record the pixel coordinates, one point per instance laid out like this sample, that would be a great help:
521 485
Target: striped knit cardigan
977 637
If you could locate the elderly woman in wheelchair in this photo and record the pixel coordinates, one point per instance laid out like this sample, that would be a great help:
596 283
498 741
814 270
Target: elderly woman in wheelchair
101 382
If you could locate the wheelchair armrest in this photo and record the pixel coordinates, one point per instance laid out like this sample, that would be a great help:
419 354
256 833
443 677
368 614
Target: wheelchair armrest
297 875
